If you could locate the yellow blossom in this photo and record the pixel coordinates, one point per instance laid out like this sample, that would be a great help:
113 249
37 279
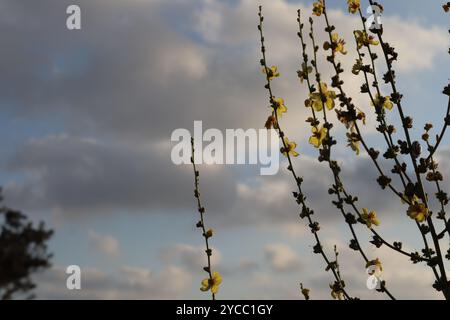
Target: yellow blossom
354 6
337 45
353 142
336 292
290 148
318 135
303 73
209 233
324 96
271 72
318 8
384 102
370 218
280 107
361 116
212 283
377 266
270 122
363 39
405 199
418 211
305 293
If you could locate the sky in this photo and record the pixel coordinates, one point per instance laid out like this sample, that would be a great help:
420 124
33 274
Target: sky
86 118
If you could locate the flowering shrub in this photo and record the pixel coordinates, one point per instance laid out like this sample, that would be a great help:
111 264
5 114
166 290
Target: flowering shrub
326 98
413 166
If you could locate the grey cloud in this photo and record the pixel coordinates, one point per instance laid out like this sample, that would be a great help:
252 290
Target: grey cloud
82 175
128 72
86 176
189 257
281 257
134 73
270 198
105 244
126 283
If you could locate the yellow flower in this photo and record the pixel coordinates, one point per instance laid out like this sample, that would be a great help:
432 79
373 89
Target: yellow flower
279 106
209 233
406 199
270 122
378 267
271 72
337 295
363 39
353 142
354 6
212 283
337 45
318 8
370 218
361 116
384 102
305 292
318 99
318 135
303 73
418 211
336 292
290 148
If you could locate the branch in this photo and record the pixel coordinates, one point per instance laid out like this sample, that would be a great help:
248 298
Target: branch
326 153
300 198
212 281
390 56
443 130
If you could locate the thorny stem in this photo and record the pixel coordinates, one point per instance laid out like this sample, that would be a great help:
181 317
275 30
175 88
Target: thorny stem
298 180
201 223
443 279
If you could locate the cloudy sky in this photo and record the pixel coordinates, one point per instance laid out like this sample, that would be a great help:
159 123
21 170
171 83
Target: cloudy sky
85 123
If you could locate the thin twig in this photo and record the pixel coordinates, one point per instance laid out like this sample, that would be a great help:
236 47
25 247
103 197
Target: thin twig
201 223
300 197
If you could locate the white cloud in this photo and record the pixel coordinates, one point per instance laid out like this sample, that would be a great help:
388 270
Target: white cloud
190 257
105 244
281 257
129 282
417 45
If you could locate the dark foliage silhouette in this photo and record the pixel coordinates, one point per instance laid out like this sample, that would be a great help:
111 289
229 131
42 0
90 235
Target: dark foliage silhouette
23 251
